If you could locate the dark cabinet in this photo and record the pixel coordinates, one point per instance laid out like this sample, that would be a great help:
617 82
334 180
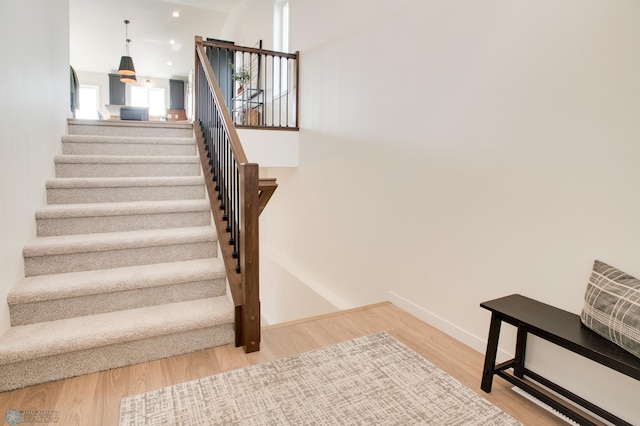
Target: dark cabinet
134 113
176 94
116 90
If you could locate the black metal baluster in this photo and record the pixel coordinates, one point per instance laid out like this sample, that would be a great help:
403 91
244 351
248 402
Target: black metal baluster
231 223
273 92
237 220
286 103
259 77
213 138
223 178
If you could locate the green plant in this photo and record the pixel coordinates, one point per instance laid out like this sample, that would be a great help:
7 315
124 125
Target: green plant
240 74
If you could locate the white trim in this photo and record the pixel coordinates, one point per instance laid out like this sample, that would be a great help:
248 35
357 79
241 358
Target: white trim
445 326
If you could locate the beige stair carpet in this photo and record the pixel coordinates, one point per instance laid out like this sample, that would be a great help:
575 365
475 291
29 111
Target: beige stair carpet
91 218
70 166
126 145
66 295
124 268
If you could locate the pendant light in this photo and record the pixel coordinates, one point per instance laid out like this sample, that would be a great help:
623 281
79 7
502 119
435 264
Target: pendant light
128 79
126 68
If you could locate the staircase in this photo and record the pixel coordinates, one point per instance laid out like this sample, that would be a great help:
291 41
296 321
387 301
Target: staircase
124 268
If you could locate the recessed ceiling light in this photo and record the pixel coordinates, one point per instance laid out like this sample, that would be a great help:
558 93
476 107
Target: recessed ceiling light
169 63
172 42
176 14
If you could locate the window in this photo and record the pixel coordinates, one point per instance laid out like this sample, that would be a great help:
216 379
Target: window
148 97
285 27
88 97
281 25
281 43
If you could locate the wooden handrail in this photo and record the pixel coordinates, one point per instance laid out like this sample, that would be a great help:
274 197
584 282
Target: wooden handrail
266 188
227 122
237 196
216 44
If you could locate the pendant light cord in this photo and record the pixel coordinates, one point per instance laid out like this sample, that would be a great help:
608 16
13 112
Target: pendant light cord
126 36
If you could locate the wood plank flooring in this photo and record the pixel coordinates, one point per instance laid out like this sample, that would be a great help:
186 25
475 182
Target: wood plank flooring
94 399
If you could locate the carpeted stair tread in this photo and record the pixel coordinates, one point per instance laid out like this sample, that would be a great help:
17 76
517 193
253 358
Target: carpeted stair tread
127 140
60 211
83 243
76 284
126 159
50 338
119 182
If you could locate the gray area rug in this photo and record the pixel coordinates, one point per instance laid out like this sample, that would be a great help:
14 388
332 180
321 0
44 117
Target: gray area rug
371 380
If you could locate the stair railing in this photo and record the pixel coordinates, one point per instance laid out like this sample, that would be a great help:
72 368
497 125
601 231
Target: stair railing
237 197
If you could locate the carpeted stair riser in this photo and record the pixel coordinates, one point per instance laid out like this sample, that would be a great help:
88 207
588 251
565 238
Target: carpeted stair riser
53 297
91 225
56 264
166 130
70 219
55 255
108 190
79 166
127 146
30 313
99 342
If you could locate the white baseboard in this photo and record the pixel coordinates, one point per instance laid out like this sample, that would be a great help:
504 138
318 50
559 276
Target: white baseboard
445 326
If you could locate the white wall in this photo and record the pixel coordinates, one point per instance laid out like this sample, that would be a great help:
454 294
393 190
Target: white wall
34 105
280 284
271 148
250 22
456 151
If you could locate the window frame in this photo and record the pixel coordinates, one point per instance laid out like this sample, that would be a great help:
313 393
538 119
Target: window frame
281 42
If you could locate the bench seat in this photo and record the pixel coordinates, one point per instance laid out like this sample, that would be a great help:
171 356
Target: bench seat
561 328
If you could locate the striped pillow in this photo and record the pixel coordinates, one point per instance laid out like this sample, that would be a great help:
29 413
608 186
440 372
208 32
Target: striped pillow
612 306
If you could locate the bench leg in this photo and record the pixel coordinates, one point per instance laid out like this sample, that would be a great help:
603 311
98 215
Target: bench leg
490 355
521 347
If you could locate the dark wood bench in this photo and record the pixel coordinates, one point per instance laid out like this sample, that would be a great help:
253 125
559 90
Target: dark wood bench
563 329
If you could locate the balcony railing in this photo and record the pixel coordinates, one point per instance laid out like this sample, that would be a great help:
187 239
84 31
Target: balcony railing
259 86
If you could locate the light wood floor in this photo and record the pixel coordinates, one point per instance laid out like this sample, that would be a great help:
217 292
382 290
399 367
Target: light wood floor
94 399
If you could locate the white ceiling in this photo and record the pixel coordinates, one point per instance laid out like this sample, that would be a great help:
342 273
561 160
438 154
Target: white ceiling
97 33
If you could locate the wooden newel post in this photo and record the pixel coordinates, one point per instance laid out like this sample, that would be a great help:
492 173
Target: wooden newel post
250 262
